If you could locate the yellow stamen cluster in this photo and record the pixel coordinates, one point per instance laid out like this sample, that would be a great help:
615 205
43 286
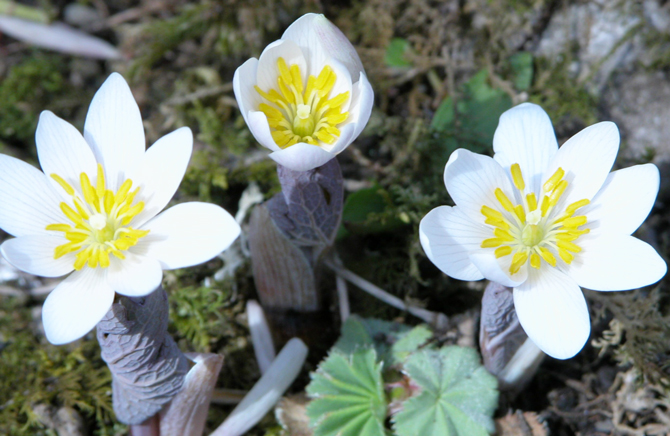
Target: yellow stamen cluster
530 230
303 114
99 221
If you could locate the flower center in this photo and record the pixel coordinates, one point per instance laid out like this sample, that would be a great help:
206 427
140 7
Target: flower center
303 114
530 231
100 221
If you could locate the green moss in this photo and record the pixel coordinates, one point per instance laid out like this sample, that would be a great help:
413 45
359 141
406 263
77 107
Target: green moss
34 372
565 100
198 314
161 36
29 87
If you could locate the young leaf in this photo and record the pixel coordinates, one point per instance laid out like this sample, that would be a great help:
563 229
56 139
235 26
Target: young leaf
347 395
458 396
147 368
410 342
360 205
396 53
522 70
471 120
392 341
309 208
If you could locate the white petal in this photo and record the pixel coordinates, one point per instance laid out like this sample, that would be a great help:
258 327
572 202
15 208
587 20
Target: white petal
261 336
244 80
59 37
552 311
134 276
448 236
471 180
267 391
34 254
320 39
342 81
525 136
624 201
587 159
28 202
62 150
345 139
76 305
188 234
114 129
497 270
160 172
267 71
302 156
362 99
259 127
616 263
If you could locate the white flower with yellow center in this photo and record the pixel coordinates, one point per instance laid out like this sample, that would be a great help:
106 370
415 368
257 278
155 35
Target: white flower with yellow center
546 221
94 211
307 97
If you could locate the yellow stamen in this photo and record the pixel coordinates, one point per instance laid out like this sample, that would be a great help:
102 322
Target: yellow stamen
569 246
557 192
547 256
520 213
100 221
303 114
504 201
492 242
65 185
532 201
551 183
567 257
537 233
575 221
492 213
501 224
517 177
576 205
535 261
518 259
503 234
503 251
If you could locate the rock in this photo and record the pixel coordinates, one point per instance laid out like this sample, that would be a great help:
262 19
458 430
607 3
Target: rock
65 421
601 35
640 105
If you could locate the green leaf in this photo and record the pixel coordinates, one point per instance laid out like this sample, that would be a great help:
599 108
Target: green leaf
458 396
396 53
444 116
469 122
410 342
347 395
522 70
392 341
363 205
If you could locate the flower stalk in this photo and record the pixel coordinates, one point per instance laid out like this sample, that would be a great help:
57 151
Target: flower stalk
147 367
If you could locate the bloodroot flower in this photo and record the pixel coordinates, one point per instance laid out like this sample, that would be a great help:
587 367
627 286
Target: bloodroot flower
546 221
93 211
307 97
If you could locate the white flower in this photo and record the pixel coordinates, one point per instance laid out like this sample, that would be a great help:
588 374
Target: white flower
546 221
307 97
93 211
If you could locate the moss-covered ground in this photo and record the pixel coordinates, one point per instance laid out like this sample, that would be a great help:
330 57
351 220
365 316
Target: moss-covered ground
442 72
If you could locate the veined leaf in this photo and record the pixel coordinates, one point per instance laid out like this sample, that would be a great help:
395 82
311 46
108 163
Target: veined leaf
392 341
521 64
458 396
348 395
396 53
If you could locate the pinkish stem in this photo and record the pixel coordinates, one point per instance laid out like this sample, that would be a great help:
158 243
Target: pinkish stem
150 427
